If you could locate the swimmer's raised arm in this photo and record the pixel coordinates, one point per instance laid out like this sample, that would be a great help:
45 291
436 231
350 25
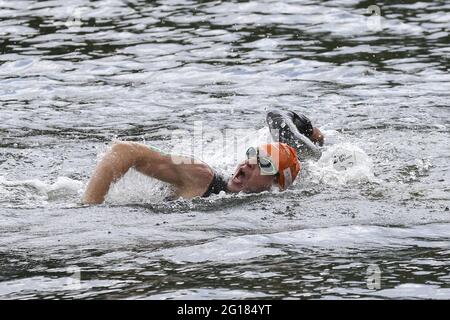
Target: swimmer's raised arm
297 131
181 172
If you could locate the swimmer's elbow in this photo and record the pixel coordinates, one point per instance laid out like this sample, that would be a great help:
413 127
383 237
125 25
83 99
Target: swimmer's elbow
122 148
123 156
273 117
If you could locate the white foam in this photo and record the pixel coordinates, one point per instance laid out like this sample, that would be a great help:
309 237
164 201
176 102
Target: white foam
340 164
35 189
135 187
63 187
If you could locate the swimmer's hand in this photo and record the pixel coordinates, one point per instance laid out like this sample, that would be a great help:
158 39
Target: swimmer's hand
189 176
317 137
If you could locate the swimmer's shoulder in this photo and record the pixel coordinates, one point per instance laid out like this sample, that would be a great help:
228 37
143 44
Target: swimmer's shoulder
193 175
196 182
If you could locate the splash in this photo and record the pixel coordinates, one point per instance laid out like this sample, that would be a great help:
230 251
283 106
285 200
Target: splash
340 164
35 192
222 152
137 188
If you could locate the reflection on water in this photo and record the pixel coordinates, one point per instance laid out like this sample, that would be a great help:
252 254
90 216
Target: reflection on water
73 77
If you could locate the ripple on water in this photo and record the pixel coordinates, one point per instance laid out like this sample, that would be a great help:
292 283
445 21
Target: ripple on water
74 77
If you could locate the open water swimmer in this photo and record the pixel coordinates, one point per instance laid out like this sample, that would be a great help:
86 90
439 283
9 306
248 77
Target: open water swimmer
191 149
270 165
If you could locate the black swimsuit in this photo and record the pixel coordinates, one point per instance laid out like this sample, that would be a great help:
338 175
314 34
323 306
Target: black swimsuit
217 185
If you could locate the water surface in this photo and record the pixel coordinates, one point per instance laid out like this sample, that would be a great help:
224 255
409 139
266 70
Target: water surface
74 77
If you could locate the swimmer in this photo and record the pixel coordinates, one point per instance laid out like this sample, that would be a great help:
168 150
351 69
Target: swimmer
275 164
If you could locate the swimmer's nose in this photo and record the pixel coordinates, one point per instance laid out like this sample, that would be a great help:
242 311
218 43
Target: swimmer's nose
251 163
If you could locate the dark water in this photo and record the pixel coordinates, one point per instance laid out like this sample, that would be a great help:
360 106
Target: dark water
75 76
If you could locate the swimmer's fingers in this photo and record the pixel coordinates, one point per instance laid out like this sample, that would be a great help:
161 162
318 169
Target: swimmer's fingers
317 137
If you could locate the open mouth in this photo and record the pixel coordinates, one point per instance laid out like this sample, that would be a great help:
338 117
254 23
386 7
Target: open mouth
239 176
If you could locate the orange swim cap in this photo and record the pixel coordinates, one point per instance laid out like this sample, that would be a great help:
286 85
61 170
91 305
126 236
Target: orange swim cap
285 158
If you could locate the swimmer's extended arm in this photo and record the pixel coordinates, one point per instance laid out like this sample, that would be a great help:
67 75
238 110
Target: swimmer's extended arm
181 172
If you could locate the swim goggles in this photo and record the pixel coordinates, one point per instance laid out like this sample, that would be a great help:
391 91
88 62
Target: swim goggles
266 164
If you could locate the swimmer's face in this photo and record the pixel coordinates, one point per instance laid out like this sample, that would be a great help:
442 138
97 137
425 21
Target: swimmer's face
248 178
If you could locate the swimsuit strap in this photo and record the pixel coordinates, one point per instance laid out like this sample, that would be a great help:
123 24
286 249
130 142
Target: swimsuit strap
217 185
